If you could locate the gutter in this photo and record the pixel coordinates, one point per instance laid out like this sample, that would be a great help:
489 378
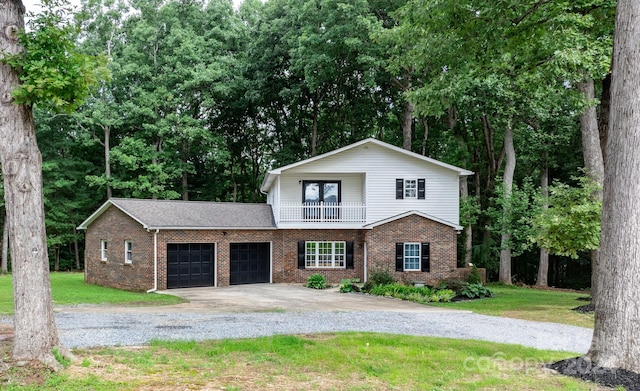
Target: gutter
155 262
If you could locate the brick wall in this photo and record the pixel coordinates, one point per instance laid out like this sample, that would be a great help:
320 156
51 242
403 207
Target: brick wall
115 227
442 239
289 271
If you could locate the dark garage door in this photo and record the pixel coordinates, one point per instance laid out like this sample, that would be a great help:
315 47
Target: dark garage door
250 263
189 265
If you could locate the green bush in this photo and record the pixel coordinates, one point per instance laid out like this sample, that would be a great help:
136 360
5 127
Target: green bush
378 277
411 293
443 295
316 281
453 284
348 285
476 291
474 276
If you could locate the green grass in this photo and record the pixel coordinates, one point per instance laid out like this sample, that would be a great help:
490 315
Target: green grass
346 361
70 289
528 303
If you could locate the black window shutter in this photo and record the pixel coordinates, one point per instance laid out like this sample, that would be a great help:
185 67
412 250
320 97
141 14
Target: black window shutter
425 259
399 189
399 257
349 249
301 254
421 183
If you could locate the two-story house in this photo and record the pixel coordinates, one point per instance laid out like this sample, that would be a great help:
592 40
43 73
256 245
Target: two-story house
343 214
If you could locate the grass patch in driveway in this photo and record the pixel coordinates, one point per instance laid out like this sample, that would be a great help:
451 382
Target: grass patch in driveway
344 361
70 289
530 304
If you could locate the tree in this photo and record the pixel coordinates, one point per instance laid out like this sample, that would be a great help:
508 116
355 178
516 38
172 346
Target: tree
617 322
40 66
571 223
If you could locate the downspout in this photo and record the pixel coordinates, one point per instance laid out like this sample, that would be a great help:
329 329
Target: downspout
365 262
155 262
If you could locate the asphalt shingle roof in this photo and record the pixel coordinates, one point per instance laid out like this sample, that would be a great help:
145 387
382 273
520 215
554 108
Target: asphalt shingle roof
196 214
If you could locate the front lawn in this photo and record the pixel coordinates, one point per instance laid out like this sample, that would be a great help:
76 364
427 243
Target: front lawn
530 304
345 361
70 289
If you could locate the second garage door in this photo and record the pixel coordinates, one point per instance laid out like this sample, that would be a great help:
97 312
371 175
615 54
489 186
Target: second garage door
250 263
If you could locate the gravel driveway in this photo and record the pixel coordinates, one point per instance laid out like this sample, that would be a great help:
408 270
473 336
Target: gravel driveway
272 309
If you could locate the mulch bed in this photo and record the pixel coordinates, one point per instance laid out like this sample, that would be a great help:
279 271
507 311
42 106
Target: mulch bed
611 377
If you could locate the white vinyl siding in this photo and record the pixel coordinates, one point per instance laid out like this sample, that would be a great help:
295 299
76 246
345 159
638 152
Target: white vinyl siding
380 167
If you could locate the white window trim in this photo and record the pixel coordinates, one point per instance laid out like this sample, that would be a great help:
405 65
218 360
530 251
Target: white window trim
405 187
316 255
103 250
404 256
128 252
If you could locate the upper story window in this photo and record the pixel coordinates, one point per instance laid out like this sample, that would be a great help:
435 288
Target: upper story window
128 251
103 249
410 188
315 192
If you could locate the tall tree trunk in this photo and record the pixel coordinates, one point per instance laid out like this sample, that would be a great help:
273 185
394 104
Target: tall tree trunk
5 245
425 136
107 158
314 128
603 117
56 262
468 232
593 162
407 123
543 265
509 170
35 333
617 319
185 185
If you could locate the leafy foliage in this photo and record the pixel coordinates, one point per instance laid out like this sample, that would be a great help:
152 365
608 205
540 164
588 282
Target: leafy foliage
316 281
474 276
378 277
476 291
52 70
571 223
416 294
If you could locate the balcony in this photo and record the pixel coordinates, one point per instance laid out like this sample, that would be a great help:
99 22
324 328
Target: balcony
323 212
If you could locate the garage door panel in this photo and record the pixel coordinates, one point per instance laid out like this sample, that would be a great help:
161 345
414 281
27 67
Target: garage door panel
250 263
190 265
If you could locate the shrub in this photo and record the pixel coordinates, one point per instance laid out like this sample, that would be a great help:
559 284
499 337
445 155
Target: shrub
316 281
349 285
474 276
453 284
444 295
476 291
378 277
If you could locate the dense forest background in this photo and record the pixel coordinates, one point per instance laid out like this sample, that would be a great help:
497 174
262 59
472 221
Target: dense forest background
203 99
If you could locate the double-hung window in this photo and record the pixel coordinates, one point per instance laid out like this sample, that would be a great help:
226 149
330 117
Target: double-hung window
410 188
325 255
128 251
411 256
103 250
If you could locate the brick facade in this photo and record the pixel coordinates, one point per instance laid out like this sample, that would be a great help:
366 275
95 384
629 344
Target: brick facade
442 239
115 227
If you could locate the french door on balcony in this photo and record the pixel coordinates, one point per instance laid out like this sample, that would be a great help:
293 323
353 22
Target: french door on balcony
321 200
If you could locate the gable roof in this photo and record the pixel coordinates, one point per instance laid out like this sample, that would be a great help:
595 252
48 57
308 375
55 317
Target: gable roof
417 213
271 175
164 214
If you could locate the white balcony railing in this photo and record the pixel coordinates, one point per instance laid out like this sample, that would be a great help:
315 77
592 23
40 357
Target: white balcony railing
325 212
